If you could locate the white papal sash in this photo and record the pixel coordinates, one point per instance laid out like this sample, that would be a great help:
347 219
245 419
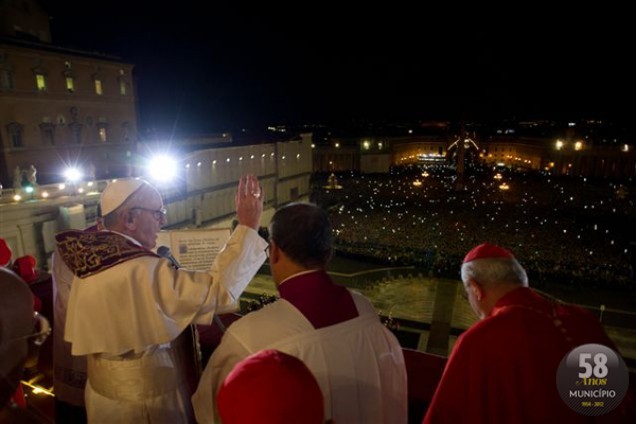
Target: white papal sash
142 378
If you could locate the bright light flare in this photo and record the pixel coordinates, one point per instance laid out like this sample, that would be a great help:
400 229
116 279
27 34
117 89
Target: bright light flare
72 174
162 168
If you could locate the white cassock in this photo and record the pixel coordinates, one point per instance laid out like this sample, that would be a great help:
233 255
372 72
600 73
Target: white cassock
69 372
127 319
358 363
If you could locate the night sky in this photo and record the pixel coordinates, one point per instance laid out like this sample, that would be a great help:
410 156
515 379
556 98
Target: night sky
210 66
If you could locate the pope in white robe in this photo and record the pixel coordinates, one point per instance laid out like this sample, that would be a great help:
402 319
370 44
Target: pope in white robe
69 372
129 309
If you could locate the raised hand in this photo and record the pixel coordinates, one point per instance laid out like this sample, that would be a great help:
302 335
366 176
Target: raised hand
249 202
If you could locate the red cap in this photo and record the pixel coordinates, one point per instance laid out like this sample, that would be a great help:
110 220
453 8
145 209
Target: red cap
278 388
24 266
5 253
487 251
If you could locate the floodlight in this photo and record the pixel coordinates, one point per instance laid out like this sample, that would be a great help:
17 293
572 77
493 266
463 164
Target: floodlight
73 174
162 168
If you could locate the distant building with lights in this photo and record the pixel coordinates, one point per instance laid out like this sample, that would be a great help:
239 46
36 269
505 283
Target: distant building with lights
60 106
336 157
560 157
587 150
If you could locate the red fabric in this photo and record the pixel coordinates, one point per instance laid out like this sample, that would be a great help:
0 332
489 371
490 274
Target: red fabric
487 250
5 253
310 292
503 369
37 304
24 266
270 387
18 397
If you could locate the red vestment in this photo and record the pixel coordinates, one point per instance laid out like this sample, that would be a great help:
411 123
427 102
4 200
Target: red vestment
503 369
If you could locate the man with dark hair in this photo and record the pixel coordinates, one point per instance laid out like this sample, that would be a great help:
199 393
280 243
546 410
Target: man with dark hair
504 368
357 362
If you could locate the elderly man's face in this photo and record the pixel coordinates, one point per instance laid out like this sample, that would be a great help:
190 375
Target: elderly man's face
475 303
148 218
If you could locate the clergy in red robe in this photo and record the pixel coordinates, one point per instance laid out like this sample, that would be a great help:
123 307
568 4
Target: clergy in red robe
504 368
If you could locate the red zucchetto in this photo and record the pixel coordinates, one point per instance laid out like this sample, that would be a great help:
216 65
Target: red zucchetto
279 388
487 251
25 267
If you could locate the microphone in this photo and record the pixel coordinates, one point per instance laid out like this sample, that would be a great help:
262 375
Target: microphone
164 252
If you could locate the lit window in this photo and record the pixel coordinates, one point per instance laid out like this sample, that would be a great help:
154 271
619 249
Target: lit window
70 84
102 134
122 87
98 87
40 80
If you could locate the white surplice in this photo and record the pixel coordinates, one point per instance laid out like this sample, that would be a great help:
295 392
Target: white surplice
69 372
127 317
358 363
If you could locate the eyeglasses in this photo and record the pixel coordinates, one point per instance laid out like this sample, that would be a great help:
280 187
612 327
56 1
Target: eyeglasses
41 332
157 214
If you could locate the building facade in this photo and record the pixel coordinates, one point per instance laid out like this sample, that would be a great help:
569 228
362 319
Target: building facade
201 195
60 107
